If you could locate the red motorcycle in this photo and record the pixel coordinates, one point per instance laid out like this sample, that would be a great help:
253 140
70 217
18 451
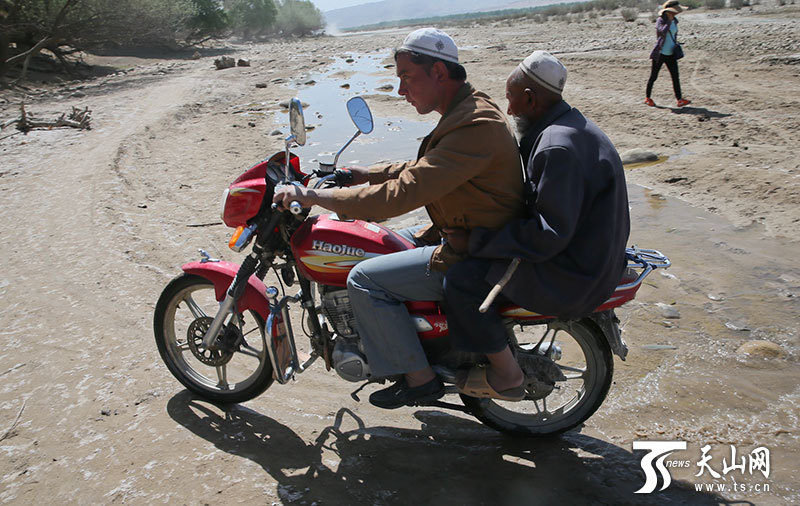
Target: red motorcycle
227 337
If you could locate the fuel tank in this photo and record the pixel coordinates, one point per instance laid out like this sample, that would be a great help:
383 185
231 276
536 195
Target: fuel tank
326 247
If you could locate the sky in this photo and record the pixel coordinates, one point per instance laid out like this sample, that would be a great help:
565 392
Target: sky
327 5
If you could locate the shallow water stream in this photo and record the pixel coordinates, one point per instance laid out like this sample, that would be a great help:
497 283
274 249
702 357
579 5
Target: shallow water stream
324 96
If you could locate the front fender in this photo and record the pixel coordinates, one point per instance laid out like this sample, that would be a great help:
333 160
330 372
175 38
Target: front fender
221 274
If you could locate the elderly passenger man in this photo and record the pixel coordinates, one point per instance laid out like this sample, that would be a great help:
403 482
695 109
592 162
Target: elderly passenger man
467 173
571 244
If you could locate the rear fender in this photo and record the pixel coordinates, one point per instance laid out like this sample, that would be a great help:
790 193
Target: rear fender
221 274
609 325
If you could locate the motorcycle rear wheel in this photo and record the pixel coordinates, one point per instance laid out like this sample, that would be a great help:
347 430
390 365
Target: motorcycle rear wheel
587 363
183 312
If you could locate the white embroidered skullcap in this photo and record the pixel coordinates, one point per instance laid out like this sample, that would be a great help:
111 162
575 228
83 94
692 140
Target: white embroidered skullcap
432 42
546 70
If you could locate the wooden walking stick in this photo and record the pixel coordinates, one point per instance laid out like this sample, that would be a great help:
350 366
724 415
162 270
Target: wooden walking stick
499 286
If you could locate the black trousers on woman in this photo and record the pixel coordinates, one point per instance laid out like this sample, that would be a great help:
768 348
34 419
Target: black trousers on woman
672 65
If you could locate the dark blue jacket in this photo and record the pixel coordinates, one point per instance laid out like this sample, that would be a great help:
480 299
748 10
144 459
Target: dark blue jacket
572 245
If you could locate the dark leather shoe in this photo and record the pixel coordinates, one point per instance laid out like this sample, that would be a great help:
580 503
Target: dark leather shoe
400 394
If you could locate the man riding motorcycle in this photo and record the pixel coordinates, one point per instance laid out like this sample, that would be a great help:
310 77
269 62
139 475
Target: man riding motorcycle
467 174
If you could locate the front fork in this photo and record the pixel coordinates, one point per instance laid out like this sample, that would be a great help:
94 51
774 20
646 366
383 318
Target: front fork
282 348
228 305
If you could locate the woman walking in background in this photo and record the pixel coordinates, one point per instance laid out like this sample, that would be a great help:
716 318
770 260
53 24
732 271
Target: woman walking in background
667 50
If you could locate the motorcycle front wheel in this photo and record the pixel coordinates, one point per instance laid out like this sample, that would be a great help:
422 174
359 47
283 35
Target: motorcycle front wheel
237 372
583 356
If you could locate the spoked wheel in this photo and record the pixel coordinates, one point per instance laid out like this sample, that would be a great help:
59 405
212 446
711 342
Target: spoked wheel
585 367
237 371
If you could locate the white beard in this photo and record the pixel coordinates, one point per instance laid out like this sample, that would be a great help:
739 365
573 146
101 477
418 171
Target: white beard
521 125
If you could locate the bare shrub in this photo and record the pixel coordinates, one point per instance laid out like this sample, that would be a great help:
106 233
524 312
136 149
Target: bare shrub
629 14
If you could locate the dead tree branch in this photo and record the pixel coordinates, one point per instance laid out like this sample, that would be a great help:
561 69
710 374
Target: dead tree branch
80 119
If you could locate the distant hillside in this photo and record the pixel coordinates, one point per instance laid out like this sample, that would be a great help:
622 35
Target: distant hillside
391 10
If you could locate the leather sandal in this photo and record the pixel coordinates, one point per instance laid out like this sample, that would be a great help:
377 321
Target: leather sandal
477 385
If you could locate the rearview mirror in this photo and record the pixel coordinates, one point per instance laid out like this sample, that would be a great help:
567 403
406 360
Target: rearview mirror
297 123
360 114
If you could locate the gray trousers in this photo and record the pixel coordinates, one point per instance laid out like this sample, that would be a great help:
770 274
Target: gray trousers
377 288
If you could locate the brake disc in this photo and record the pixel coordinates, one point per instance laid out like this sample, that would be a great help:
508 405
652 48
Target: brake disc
194 336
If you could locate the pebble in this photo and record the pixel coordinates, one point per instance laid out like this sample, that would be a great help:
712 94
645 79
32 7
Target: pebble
668 311
224 62
762 349
638 155
285 104
737 327
659 347
715 297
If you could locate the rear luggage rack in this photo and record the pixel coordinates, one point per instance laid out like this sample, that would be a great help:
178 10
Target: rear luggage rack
646 259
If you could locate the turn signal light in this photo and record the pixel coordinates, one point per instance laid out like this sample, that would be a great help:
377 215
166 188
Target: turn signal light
235 237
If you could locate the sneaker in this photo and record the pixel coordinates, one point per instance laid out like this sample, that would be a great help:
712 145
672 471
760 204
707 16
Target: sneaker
683 101
649 101
400 394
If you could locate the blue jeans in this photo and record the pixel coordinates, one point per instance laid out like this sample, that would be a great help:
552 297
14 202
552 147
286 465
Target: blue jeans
378 288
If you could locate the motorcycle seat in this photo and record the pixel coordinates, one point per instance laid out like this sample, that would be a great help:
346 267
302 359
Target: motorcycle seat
624 292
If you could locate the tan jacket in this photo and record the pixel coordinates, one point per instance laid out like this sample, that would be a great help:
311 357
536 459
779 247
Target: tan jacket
467 174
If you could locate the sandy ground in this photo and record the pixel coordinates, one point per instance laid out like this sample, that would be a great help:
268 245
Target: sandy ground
94 224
